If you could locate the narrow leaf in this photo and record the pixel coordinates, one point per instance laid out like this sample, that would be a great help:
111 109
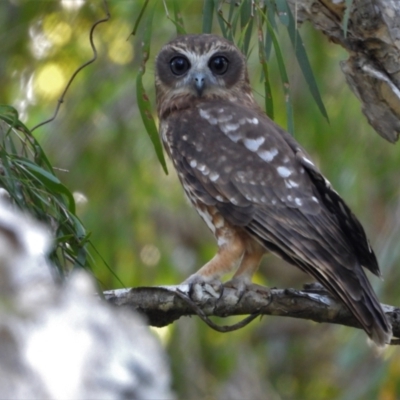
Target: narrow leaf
269 104
143 101
284 76
138 19
223 23
208 13
246 24
271 19
303 61
180 27
49 181
282 12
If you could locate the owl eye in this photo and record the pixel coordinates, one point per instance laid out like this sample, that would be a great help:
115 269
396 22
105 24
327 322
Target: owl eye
218 65
179 65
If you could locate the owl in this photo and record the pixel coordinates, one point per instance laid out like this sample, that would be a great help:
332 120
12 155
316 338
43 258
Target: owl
254 186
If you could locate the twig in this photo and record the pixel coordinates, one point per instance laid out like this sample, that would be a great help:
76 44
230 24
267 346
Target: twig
211 324
93 59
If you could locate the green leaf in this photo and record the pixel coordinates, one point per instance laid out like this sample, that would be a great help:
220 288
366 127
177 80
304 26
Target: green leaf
284 76
139 18
271 19
208 13
223 23
246 24
178 22
50 181
269 103
302 58
143 101
242 42
10 115
282 12
232 6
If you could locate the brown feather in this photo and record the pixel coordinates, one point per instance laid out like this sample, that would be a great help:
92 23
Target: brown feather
231 157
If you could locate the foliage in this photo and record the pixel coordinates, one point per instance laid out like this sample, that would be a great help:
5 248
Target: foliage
29 181
140 223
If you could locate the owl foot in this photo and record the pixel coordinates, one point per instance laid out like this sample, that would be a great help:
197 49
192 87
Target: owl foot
198 284
243 285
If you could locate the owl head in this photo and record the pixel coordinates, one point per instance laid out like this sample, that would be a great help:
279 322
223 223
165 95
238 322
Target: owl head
195 68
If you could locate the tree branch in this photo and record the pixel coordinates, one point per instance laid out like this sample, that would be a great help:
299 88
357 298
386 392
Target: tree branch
164 304
373 42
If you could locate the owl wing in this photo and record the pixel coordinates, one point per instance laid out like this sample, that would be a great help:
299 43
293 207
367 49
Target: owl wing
248 167
259 178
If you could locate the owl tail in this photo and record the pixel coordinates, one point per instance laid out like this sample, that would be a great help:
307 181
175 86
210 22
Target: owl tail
354 289
368 311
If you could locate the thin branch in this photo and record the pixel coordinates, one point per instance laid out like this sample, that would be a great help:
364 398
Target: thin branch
164 304
93 59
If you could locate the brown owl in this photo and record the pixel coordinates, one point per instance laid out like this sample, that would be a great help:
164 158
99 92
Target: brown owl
253 184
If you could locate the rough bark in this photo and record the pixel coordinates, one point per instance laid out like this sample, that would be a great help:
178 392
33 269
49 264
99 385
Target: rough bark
162 305
373 42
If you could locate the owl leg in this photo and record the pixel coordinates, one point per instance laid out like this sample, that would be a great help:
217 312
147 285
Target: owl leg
230 253
247 268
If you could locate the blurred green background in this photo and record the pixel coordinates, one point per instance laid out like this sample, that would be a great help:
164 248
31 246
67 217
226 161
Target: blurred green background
140 222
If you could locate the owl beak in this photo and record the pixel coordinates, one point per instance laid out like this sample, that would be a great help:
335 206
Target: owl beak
199 81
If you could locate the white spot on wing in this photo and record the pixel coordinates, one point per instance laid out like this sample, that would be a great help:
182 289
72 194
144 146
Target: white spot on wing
268 155
206 115
308 161
254 144
284 172
214 176
235 137
298 201
291 184
253 121
226 128
224 118
193 163
203 169
314 199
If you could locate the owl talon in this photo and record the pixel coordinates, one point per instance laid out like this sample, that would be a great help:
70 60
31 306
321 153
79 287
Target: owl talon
242 286
198 285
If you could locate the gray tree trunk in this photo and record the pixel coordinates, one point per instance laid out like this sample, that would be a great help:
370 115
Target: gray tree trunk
373 42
